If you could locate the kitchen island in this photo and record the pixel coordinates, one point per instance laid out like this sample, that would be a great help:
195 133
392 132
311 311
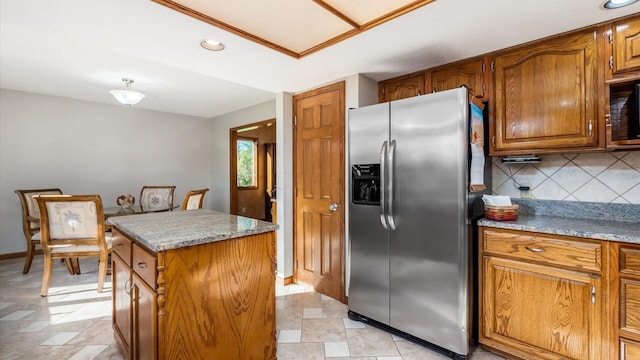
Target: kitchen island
195 284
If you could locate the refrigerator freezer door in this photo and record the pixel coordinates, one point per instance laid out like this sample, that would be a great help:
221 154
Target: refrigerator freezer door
369 281
428 250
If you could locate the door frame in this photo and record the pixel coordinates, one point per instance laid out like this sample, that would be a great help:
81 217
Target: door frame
233 164
340 86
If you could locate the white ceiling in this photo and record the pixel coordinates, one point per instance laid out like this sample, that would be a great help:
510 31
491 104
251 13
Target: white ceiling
82 48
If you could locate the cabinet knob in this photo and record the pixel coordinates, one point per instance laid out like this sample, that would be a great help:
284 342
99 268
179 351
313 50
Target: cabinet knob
142 265
590 128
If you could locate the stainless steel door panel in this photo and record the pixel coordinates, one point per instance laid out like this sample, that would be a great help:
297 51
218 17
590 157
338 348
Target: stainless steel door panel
428 250
369 241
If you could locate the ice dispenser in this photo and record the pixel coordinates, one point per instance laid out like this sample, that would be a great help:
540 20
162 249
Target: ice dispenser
365 188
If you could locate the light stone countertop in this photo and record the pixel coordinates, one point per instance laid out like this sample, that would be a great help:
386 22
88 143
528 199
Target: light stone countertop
177 229
622 231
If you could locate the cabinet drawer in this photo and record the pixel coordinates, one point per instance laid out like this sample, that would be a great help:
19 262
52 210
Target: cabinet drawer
630 260
549 249
629 350
121 245
144 264
630 306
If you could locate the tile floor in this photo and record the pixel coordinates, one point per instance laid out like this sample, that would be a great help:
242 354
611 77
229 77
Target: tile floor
74 322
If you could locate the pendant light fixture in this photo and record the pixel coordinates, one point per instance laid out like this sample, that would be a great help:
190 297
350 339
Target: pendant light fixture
127 96
614 4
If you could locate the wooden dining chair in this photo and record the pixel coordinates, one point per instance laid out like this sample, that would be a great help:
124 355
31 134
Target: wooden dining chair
156 198
193 199
31 221
72 226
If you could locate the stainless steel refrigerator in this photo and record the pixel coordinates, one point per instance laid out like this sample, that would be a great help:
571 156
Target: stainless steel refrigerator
411 219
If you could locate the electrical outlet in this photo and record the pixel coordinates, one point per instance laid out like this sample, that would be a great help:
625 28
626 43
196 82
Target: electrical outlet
526 192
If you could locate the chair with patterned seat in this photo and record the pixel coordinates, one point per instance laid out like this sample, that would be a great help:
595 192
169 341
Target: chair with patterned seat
193 200
156 198
72 226
31 221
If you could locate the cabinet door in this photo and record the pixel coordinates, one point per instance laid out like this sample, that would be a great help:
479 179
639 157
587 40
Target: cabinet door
529 308
470 74
629 350
121 285
401 88
545 96
630 307
626 45
144 320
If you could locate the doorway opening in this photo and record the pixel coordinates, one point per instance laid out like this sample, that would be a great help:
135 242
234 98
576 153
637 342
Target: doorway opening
253 169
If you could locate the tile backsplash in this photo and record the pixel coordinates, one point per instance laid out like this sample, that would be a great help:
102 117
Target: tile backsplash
589 177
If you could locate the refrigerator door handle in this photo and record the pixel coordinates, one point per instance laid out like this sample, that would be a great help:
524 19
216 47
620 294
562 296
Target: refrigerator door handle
383 172
392 152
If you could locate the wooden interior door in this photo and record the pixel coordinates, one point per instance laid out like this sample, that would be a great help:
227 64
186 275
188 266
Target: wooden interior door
319 189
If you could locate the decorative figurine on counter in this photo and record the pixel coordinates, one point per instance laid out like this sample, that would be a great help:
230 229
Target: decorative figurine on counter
125 201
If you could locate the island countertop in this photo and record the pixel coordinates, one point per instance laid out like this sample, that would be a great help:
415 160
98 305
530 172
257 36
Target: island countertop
177 229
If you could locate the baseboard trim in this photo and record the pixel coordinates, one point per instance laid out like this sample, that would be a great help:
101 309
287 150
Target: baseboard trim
18 255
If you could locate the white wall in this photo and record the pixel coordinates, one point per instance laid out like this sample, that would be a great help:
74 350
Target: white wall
280 109
88 148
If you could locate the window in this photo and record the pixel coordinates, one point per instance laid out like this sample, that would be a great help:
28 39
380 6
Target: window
247 150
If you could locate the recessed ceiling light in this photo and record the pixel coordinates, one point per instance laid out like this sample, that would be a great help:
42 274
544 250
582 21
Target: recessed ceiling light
216 45
614 4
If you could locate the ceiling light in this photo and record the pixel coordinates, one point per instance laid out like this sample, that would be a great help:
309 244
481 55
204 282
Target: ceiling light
127 96
614 4
212 45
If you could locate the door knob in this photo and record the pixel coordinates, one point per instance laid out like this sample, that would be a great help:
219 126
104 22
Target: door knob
333 207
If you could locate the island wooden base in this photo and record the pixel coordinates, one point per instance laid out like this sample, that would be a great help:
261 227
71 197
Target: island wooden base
212 301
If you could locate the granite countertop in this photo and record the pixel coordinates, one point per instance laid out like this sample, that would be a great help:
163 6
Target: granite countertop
176 229
615 222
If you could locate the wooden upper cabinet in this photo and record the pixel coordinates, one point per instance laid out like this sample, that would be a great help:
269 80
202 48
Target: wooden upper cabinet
546 96
625 40
469 73
401 87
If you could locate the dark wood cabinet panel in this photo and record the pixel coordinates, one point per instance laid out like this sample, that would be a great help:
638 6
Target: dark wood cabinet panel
532 305
468 73
401 87
546 96
626 45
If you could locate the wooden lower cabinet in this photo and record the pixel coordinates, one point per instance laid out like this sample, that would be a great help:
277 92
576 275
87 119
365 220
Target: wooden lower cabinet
538 301
208 301
144 311
629 350
629 300
121 315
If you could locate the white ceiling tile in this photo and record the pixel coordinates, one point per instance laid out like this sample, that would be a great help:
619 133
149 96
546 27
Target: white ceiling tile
593 163
633 195
595 191
620 177
364 11
571 177
549 190
299 26
549 164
